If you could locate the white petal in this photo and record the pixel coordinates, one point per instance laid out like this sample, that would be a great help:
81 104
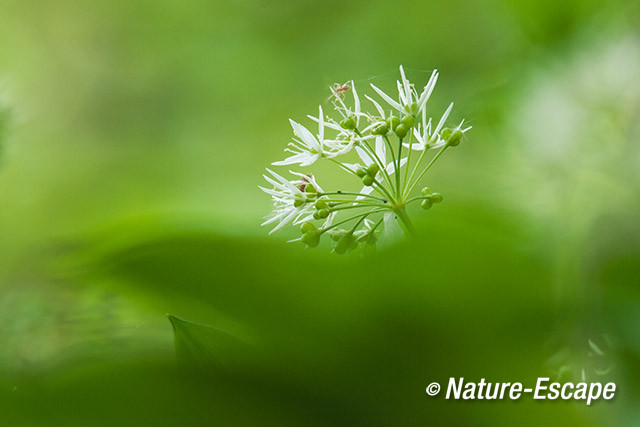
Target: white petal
365 190
285 182
381 151
406 85
375 104
444 118
304 134
356 101
391 167
298 158
330 125
284 222
388 99
426 93
311 160
364 156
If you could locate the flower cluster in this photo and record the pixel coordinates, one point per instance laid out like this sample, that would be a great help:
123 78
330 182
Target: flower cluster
388 175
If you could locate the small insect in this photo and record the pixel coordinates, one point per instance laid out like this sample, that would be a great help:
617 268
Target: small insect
338 90
304 183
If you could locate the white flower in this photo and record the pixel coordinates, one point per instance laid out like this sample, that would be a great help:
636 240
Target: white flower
289 199
409 102
427 138
307 147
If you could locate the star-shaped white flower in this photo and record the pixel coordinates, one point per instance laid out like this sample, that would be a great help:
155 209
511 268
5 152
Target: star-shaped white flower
290 200
307 148
426 137
409 102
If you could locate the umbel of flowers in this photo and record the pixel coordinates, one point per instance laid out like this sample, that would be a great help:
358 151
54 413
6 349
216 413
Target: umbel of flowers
393 142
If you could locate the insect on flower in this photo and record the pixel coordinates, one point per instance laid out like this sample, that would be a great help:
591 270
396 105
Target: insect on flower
338 90
384 179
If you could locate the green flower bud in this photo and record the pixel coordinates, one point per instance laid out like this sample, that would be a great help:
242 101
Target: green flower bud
367 239
307 227
425 191
393 122
454 138
373 169
311 238
401 130
349 123
368 180
323 213
321 204
361 172
426 204
381 128
371 239
436 197
338 235
346 242
408 121
413 107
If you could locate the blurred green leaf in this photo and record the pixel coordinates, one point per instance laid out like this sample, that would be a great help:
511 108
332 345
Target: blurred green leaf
205 346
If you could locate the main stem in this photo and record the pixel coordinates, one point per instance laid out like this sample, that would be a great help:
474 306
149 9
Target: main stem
405 221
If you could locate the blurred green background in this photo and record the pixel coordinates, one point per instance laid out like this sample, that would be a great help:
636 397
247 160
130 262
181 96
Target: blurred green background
134 135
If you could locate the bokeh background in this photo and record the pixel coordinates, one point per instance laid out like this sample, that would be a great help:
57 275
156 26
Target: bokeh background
134 135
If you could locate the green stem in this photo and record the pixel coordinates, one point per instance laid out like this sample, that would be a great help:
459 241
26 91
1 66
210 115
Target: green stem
347 193
426 169
406 174
413 172
398 193
372 152
405 222
382 166
352 218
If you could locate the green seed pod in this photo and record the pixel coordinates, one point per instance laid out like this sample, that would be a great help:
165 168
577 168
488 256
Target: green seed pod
311 239
454 138
361 172
323 213
316 215
426 204
309 188
408 121
393 122
446 133
373 169
436 197
401 130
413 107
381 128
368 180
320 204
307 227
349 123
425 191
298 202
